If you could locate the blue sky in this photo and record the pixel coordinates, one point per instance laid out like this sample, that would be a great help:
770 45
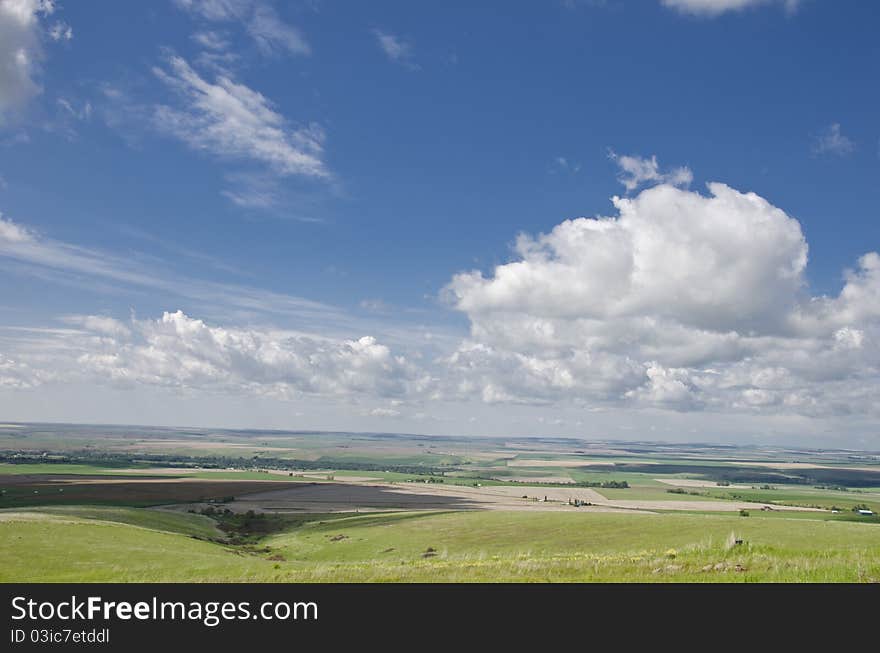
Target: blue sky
304 175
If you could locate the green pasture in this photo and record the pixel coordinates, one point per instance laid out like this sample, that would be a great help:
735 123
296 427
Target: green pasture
84 545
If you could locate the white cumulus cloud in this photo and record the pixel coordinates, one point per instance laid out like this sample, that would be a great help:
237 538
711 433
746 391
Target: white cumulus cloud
384 412
61 31
21 51
681 300
180 351
12 233
99 324
17 375
638 171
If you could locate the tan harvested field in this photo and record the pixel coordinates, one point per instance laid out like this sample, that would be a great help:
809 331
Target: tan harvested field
749 463
557 463
692 482
867 468
501 494
204 444
537 479
340 478
525 449
709 506
470 455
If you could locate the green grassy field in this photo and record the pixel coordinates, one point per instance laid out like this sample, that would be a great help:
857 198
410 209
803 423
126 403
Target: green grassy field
49 548
156 520
801 496
137 545
649 493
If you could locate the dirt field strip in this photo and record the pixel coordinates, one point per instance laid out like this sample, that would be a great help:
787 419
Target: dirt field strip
340 478
57 488
133 480
692 482
558 463
537 479
711 506
206 444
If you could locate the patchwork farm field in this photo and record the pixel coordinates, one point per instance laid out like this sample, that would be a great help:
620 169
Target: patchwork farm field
382 508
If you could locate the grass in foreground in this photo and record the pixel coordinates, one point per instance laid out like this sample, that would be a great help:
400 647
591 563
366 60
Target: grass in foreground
86 545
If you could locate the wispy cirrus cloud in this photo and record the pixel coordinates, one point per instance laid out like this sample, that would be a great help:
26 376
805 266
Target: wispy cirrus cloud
711 8
47 258
396 49
832 141
272 35
26 251
213 111
253 196
562 164
233 121
260 20
211 40
216 9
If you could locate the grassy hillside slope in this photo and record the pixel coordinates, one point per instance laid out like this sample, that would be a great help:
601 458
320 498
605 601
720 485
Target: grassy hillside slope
135 545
